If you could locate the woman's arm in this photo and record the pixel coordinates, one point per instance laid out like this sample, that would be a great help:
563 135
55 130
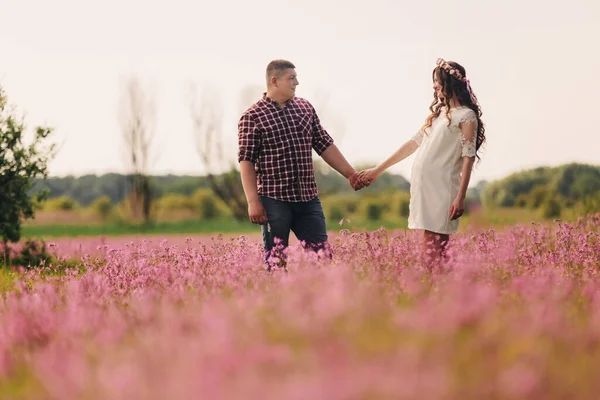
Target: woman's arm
370 175
468 130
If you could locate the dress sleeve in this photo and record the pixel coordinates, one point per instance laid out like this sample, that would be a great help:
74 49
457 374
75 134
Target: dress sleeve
418 137
468 133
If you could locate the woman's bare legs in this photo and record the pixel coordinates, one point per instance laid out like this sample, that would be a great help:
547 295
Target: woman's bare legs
434 245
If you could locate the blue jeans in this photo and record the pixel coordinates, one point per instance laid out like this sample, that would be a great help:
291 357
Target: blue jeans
305 219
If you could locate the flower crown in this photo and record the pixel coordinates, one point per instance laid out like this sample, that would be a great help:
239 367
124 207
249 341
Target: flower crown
441 63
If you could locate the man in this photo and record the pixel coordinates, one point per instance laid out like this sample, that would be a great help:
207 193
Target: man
276 136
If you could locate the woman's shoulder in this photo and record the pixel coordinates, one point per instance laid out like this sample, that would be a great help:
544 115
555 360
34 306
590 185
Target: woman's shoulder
461 110
462 114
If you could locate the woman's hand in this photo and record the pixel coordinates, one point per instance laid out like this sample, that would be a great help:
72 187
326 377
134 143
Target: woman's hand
368 176
457 208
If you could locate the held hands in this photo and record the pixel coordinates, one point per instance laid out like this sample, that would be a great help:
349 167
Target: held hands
368 176
355 182
257 212
457 208
362 179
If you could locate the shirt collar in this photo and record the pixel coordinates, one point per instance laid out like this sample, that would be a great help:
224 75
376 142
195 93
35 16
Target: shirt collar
270 101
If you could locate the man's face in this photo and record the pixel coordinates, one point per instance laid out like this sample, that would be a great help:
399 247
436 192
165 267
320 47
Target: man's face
286 84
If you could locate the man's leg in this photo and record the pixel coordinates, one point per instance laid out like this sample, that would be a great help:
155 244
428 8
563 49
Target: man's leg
310 226
276 229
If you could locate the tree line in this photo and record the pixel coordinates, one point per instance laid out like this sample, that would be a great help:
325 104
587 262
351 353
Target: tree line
88 188
549 188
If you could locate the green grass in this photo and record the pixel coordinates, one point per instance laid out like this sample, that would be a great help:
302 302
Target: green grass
224 226
497 218
183 227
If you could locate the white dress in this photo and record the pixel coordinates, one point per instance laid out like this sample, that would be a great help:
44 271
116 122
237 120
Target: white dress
437 170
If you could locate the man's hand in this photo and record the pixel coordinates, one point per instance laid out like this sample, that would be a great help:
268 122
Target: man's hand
368 176
336 160
355 182
257 212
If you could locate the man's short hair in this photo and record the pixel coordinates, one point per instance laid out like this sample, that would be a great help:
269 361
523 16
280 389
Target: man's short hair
276 68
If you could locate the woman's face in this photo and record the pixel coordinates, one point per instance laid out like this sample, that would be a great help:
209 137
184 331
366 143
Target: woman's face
437 86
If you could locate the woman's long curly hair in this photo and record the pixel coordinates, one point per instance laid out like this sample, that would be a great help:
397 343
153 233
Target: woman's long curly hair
454 88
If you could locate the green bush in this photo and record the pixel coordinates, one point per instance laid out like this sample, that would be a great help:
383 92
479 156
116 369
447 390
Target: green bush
374 209
335 212
208 207
340 206
537 196
551 208
591 204
207 204
61 203
33 254
174 201
522 201
403 203
352 205
102 206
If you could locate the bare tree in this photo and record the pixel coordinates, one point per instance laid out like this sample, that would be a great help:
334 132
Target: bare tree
249 95
222 172
137 117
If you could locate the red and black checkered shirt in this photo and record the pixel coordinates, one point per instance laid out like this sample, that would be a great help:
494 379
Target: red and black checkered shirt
279 141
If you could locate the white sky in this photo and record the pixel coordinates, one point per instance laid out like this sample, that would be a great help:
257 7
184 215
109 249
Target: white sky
533 64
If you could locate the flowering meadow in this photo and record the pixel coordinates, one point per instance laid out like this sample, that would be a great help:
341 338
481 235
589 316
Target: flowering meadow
511 314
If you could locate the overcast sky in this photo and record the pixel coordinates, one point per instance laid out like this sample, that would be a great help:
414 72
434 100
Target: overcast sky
533 64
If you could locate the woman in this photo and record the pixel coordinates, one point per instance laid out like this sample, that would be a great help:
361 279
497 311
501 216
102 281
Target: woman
448 143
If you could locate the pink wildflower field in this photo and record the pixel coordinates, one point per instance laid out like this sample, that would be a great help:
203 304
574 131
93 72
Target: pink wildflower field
512 314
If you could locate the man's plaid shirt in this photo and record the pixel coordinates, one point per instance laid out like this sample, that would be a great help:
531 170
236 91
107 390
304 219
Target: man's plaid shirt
279 141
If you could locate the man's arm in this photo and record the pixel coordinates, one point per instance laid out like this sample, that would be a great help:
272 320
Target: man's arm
323 144
334 157
249 142
249 181
256 211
